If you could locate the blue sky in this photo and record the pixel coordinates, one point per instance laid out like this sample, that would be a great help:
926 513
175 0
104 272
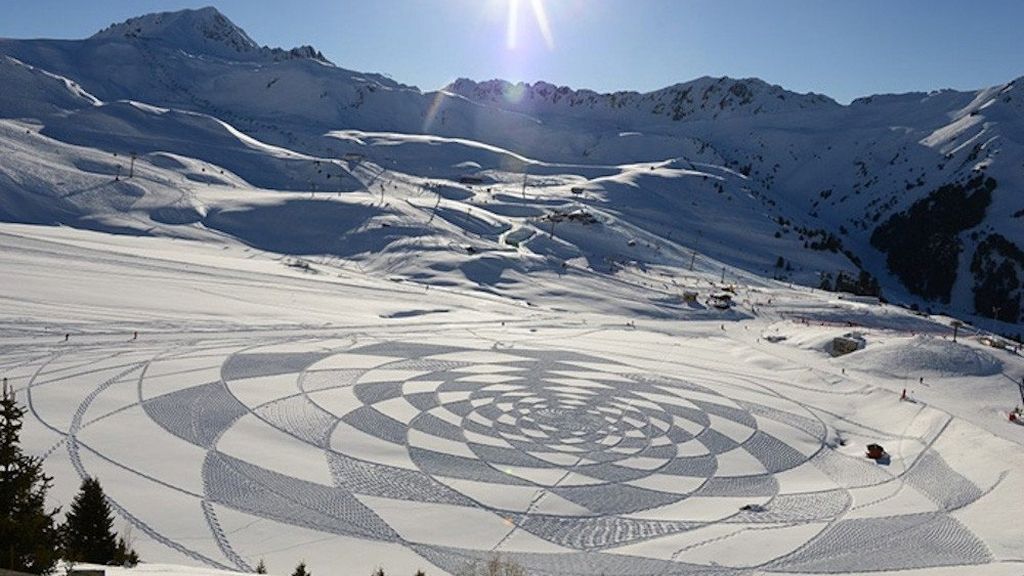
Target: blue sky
837 47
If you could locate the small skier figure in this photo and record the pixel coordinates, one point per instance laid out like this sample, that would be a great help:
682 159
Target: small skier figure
66 336
903 396
135 335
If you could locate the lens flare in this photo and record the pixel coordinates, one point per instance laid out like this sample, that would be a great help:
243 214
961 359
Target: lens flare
433 110
543 23
513 24
540 15
513 93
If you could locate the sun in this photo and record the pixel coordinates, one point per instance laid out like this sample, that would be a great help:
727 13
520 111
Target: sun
539 14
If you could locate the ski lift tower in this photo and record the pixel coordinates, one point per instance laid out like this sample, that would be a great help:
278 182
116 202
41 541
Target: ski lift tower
957 325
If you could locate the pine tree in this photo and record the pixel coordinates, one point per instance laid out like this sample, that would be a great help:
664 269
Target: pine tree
124 554
261 568
300 570
28 536
826 282
88 529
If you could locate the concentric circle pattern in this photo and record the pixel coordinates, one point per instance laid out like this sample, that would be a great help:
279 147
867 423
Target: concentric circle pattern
599 437
566 462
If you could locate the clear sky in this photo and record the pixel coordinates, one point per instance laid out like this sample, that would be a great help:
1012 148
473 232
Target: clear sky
842 48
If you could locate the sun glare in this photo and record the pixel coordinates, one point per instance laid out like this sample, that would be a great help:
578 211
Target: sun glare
542 21
540 15
513 24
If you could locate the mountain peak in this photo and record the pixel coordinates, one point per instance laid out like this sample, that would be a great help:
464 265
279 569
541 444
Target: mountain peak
205 30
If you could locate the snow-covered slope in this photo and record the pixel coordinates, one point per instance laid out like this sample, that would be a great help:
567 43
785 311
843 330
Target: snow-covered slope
241 407
781 184
31 92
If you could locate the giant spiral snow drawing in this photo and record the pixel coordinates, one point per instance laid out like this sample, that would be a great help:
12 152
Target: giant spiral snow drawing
584 457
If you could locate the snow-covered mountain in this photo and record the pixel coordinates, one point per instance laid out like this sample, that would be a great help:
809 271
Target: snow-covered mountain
918 191
288 312
204 32
702 99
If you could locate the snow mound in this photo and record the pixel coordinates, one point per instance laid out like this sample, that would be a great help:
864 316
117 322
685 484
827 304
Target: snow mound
925 355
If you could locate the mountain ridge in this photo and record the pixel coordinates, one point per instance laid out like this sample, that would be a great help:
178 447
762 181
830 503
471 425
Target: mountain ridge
702 98
807 170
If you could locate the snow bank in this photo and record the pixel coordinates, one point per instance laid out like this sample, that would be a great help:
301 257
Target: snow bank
924 355
147 569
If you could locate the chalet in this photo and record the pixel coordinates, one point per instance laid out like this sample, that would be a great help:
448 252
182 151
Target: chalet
842 345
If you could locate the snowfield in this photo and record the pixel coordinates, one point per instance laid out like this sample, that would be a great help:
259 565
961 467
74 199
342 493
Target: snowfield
289 312
268 412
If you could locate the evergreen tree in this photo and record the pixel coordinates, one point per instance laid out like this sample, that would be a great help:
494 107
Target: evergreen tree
88 529
843 282
826 282
300 570
28 537
261 568
125 555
